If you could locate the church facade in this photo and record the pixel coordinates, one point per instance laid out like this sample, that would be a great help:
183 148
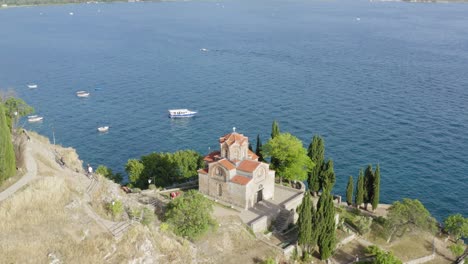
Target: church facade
234 175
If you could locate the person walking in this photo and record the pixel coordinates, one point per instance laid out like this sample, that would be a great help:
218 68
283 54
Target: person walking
90 171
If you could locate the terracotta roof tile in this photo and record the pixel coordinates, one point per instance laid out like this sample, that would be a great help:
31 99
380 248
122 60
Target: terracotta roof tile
204 171
248 165
213 156
226 164
240 180
252 155
232 138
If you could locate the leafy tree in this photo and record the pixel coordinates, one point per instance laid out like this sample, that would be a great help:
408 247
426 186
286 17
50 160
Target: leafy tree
368 185
359 198
457 226
327 176
307 235
408 214
16 108
292 160
376 188
349 191
134 168
107 172
190 214
7 153
457 249
382 257
258 150
326 225
316 153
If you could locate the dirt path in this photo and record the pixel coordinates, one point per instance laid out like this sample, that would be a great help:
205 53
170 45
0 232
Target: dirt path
31 173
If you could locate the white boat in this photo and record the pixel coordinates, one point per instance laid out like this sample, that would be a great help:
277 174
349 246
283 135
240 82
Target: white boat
176 113
103 129
35 118
204 49
32 86
82 94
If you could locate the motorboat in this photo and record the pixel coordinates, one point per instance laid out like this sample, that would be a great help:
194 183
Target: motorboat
204 49
82 94
103 129
35 118
32 86
177 113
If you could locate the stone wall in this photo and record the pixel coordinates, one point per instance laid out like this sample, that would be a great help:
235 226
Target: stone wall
421 260
259 225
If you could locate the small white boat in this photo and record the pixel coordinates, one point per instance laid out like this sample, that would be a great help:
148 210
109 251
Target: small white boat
32 86
103 129
35 118
177 113
204 50
82 94
71 13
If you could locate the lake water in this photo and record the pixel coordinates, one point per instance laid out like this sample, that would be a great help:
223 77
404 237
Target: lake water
383 82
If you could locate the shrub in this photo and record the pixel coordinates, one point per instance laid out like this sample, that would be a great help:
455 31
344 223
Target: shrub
164 227
136 190
457 249
269 260
152 187
363 224
115 208
107 172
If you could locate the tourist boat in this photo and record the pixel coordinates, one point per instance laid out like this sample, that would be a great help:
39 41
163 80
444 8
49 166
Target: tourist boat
103 129
82 94
35 118
32 86
176 113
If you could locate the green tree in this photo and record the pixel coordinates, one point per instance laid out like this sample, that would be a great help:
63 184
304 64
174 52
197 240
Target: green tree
316 153
326 225
457 249
292 160
368 185
376 188
327 176
457 226
359 198
190 215
275 131
258 150
107 172
407 215
7 153
349 191
307 235
16 108
134 168
382 257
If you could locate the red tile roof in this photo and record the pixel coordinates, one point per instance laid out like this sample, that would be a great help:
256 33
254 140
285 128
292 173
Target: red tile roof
252 155
204 171
232 138
226 164
213 156
248 165
242 180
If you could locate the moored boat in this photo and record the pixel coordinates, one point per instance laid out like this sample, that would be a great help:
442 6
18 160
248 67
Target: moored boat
35 118
178 113
82 94
103 129
32 86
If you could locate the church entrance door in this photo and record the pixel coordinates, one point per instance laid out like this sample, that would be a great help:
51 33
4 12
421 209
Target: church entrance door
260 196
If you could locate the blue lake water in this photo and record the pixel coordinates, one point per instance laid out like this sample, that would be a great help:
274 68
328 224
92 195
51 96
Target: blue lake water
383 82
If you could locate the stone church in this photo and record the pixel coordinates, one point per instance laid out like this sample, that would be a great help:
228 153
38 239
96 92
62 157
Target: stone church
235 175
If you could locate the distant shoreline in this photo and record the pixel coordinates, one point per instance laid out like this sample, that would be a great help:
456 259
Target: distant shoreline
6 5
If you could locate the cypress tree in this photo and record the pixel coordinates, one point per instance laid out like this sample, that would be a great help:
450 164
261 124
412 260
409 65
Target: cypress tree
349 191
275 129
368 185
359 198
376 188
258 150
316 153
7 153
326 219
274 132
327 176
304 224
250 147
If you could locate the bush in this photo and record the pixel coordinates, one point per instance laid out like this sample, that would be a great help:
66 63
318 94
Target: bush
363 224
269 260
164 227
190 214
457 249
115 208
152 187
136 190
107 172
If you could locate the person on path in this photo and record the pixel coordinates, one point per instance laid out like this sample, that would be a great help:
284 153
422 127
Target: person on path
90 171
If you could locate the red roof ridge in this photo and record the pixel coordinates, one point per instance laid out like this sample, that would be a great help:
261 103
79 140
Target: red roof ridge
242 180
248 165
